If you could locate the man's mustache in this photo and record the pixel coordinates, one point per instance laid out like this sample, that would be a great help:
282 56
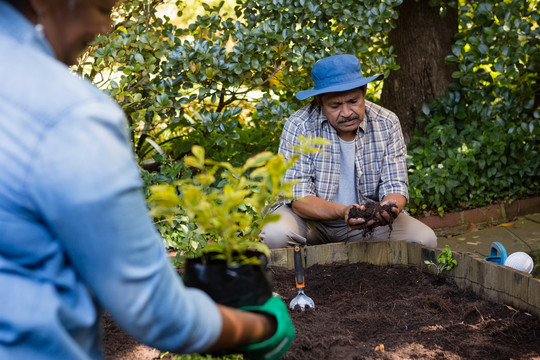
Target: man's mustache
350 118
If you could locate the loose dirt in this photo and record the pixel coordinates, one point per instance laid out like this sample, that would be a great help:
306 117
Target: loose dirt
372 214
364 311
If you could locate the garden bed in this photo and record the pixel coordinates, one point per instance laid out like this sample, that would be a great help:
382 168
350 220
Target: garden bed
490 281
393 310
365 311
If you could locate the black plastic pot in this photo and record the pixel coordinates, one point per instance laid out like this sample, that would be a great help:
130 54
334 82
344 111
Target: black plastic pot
231 285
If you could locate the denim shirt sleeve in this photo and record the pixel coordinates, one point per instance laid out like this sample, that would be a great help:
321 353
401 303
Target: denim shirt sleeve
87 187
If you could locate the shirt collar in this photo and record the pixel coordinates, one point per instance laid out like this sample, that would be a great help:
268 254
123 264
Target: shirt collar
363 123
320 117
15 25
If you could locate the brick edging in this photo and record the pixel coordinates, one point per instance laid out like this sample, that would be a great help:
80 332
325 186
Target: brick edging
502 211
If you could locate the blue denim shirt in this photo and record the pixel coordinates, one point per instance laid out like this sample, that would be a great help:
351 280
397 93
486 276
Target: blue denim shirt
75 234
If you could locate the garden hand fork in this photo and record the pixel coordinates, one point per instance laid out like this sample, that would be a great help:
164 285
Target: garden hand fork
301 299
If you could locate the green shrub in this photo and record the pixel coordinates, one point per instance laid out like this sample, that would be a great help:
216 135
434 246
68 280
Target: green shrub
225 80
227 203
480 141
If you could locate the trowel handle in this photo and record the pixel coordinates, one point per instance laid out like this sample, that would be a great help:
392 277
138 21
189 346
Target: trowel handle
298 269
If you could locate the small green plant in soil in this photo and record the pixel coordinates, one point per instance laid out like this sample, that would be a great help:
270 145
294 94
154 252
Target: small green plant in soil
445 261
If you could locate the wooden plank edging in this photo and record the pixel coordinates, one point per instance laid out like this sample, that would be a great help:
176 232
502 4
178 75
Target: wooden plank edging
488 280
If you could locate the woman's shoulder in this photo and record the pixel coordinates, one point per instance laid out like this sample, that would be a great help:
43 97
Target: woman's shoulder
56 93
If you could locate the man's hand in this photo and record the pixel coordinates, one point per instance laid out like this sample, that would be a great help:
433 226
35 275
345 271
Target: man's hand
371 215
385 217
356 222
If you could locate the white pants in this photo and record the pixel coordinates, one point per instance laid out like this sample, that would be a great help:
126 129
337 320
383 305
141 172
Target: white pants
291 230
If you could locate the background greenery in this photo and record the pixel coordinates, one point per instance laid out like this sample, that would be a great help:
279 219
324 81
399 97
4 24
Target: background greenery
482 137
223 75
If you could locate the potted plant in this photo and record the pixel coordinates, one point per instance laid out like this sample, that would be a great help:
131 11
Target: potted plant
227 204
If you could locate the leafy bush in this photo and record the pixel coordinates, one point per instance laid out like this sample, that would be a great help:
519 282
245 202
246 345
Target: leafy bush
480 143
225 80
226 202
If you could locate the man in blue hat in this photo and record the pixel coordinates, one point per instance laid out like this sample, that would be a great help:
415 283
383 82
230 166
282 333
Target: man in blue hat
364 162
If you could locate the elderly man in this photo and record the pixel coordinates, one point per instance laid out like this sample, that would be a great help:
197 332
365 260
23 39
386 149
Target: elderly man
364 163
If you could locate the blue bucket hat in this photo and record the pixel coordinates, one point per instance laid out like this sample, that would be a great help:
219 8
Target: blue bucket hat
336 73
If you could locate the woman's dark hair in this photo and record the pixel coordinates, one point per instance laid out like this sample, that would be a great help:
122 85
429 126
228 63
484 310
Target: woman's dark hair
21 5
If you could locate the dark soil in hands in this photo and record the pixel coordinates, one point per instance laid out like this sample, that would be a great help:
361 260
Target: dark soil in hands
365 311
370 213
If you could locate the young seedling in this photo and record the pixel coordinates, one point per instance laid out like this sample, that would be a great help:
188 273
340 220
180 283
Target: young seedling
445 261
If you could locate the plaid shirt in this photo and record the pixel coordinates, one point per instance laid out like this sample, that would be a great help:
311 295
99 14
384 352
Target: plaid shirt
380 155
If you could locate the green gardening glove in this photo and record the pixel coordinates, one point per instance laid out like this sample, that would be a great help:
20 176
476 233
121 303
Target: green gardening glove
280 342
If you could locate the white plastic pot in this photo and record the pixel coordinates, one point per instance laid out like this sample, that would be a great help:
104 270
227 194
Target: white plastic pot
520 261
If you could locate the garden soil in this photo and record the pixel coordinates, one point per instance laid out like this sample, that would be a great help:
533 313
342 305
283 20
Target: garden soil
364 311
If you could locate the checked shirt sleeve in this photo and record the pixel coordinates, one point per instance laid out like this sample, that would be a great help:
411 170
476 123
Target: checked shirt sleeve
394 168
302 172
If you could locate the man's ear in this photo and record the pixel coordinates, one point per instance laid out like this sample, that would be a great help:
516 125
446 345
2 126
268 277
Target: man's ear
318 100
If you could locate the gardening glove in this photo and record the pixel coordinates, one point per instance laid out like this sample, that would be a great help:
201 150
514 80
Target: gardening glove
280 342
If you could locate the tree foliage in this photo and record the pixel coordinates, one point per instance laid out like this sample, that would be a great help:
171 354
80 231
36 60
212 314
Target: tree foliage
481 138
225 80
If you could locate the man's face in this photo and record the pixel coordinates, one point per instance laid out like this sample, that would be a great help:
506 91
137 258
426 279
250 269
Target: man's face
345 111
70 25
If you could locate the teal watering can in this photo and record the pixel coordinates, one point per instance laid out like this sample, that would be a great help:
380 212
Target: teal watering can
497 254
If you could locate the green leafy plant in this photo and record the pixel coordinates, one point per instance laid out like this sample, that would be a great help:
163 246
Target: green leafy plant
227 203
223 76
445 261
480 141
